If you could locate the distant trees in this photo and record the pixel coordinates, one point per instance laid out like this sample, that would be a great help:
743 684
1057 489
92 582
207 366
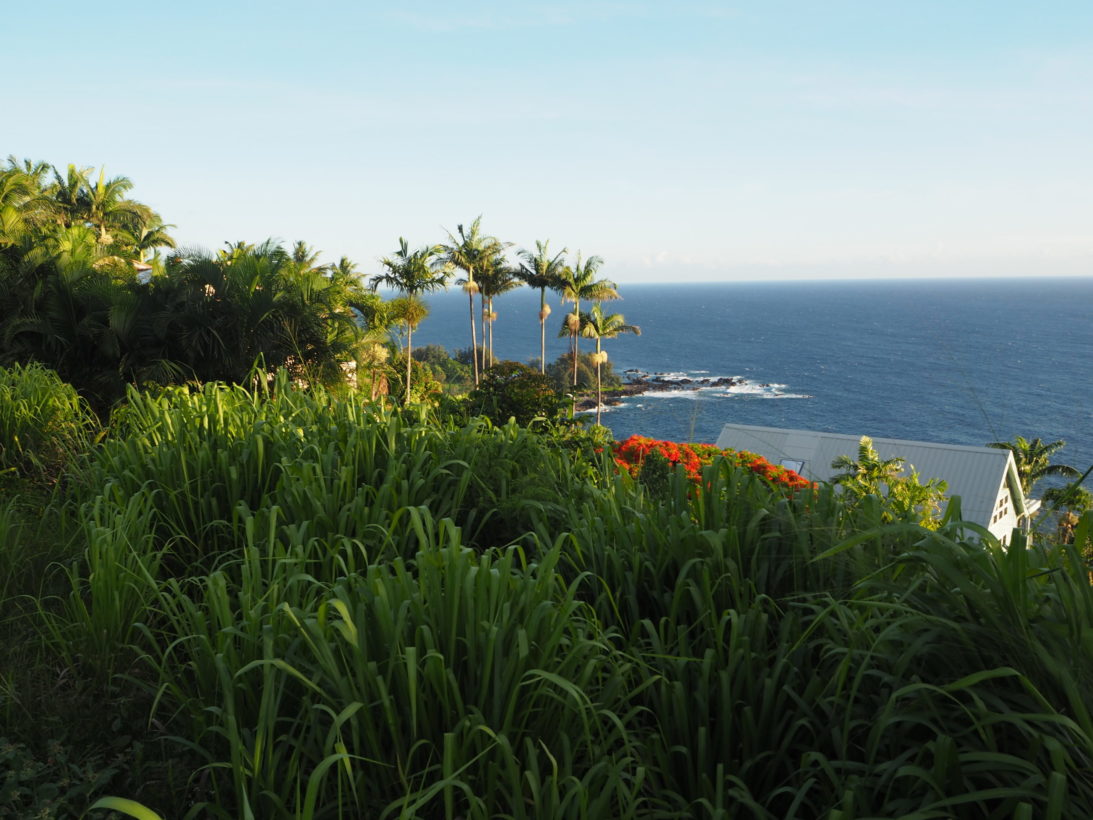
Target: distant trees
514 390
413 273
92 285
220 314
496 279
543 271
68 297
578 284
560 373
474 253
599 326
47 198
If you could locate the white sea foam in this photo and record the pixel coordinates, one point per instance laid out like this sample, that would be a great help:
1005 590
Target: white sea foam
761 391
679 375
749 389
671 394
604 408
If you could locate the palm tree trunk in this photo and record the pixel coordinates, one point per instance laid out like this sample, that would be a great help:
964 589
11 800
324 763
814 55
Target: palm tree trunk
599 389
485 343
542 331
474 339
409 358
576 343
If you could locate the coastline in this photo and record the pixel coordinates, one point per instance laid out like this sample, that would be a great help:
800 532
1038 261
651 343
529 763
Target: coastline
640 382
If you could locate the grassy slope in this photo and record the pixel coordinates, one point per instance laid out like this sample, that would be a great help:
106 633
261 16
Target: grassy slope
293 606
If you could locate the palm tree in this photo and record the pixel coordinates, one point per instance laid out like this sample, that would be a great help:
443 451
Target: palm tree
541 270
103 205
494 280
377 318
906 497
234 250
413 273
866 475
147 232
1033 459
23 187
471 252
16 187
598 326
65 194
223 312
306 258
38 171
1072 498
64 307
580 283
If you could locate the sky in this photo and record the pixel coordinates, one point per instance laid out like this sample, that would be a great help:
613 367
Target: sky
681 141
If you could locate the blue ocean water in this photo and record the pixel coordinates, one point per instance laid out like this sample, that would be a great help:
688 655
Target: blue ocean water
956 361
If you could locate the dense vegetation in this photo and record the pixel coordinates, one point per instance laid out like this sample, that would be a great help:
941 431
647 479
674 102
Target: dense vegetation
284 603
239 592
92 286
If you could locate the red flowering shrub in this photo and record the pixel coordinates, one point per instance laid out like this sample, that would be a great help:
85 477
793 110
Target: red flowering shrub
630 455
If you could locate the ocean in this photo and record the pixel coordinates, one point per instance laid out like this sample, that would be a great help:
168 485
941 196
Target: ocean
960 361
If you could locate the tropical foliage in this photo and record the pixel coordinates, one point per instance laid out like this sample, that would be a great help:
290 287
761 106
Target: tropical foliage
599 326
76 295
494 280
92 286
253 595
543 271
44 424
412 273
560 373
1033 459
301 607
579 283
906 497
474 253
516 391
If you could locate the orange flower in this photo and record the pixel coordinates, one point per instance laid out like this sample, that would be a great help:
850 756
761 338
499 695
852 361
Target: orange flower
630 455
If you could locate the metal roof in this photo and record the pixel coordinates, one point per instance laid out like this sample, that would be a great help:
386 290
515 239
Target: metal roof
977 474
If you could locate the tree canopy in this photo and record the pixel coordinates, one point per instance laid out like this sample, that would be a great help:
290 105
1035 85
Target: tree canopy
93 286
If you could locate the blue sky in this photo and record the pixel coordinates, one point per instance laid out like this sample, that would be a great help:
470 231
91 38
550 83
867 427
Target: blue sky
679 141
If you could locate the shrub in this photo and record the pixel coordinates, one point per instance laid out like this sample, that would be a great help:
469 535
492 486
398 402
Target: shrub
57 786
452 373
631 457
514 390
425 387
560 373
43 422
905 497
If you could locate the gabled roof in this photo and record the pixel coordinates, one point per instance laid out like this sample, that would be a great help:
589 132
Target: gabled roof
976 474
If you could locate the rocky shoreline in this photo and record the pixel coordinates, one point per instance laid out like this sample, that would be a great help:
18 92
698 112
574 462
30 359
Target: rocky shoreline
639 382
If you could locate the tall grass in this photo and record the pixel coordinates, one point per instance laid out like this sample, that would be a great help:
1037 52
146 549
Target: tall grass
43 423
802 667
313 468
457 684
344 612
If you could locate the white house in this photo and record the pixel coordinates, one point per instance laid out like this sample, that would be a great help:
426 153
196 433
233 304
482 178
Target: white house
985 478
